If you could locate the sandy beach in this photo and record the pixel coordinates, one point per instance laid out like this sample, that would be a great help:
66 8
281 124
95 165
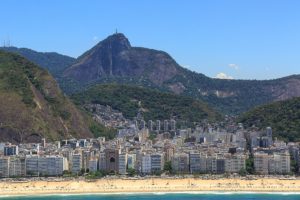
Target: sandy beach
148 185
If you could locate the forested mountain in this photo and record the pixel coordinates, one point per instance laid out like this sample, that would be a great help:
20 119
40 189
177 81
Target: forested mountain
53 62
115 60
32 106
282 116
152 103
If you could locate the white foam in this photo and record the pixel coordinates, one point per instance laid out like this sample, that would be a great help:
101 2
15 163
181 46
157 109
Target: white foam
155 193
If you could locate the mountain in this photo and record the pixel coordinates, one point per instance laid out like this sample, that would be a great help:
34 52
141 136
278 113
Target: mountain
32 106
282 116
152 103
114 57
53 62
114 60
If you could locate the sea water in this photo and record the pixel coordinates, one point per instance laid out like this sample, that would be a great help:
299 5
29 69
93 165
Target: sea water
163 196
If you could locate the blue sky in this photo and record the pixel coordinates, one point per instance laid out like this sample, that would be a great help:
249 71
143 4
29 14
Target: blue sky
243 39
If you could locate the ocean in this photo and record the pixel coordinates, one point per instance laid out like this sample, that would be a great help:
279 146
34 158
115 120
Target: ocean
163 196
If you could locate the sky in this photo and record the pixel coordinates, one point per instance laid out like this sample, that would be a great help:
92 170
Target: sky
239 39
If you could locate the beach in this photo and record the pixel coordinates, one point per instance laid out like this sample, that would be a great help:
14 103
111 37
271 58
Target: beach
147 185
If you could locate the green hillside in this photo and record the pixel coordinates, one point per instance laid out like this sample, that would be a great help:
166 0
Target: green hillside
154 104
282 116
32 106
53 62
114 60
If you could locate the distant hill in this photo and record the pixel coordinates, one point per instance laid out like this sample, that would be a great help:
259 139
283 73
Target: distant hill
32 106
53 62
114 60
282 116
154 104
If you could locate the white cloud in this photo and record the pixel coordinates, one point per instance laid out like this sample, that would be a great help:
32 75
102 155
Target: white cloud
234 66
222 75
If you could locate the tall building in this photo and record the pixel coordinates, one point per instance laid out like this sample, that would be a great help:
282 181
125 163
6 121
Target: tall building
158 125
93 164
50 165
279 163
112 160
269 135
55 165
157 162
235 163
173 125
166 125
102 161
76 163
86 156
220 165
150 125
4 167
261 163
204 165
131 161
180 163
16 167
32 165
194 163
122 163
146 164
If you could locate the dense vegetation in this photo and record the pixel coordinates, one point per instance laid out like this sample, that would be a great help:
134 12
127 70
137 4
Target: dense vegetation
115 60
154 104
235 96
55 63
282 116
158 70
32 106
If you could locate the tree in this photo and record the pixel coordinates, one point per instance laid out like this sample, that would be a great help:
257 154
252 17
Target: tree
294 166
131 172
250 165
243 172
168 166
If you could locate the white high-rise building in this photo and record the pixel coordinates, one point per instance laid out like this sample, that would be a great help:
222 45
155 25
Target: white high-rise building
146 164
76 163
32 165
4 166
93 163
157 162
122 163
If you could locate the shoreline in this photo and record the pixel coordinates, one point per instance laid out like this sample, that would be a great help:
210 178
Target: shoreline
150 193
150 186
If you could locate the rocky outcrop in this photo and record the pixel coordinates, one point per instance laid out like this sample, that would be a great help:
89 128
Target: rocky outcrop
114 57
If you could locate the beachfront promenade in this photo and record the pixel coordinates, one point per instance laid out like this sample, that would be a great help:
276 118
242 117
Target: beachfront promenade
148 185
